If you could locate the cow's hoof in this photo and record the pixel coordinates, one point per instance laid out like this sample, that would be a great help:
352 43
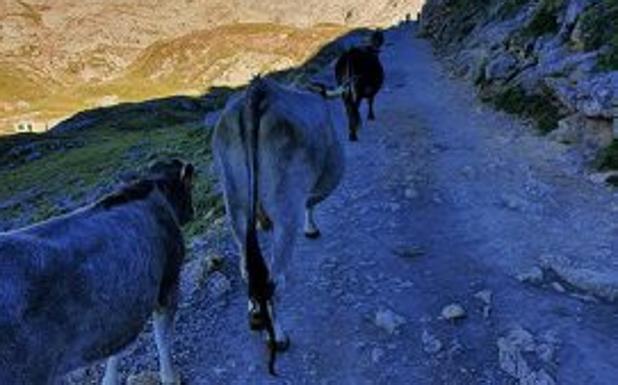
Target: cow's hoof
313 234
172 380
282 345
371 117
353 138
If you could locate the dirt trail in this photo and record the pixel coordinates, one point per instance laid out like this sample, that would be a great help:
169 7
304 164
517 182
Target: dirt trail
443 198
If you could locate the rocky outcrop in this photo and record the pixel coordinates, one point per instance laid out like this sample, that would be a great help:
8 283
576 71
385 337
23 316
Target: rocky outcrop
557 52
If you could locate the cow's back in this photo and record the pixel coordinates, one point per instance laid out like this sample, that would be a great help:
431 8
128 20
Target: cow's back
89 283
285 112
296 137
290 121
363 64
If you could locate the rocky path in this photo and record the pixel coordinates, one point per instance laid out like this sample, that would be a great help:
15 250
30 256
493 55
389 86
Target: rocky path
444 202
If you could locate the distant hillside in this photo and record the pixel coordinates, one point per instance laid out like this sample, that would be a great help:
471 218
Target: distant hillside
61 56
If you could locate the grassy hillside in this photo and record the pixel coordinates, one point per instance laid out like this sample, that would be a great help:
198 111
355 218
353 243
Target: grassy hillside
226 55
44 175
96 160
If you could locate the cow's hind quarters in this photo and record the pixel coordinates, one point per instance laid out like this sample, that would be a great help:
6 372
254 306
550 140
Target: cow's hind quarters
314 234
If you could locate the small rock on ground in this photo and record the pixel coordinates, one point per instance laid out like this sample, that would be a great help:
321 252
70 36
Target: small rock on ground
534 275
431 344
389 320
453 312
143 378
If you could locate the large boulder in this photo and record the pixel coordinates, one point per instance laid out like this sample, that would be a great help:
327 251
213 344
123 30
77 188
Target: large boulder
592 96
589 135
596 95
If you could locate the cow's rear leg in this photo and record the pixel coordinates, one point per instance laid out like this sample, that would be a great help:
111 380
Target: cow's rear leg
283 244
371 115
287 217
236 207
311 229
163 318
111 376
354 119
282 341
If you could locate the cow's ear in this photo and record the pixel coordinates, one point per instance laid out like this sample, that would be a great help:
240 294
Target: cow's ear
186 174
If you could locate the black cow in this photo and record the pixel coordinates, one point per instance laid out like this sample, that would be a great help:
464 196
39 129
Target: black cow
361 67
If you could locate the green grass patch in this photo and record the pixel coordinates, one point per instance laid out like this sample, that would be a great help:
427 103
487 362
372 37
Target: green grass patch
537 107
608 157
107 153
545 20
608 60
508 8
599 29
599 24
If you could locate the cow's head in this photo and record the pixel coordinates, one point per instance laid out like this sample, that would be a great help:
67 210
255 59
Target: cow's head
175 179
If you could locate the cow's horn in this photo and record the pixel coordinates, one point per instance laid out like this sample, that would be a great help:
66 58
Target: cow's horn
337 92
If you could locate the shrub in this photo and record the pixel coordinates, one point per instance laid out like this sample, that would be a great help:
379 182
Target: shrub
537 107
608 157
608 61
599 25
545 20
509 8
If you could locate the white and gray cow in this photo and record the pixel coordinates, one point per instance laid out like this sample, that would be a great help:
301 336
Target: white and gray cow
278 155
80 287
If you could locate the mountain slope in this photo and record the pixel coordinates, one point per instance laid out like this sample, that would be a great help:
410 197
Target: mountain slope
70 50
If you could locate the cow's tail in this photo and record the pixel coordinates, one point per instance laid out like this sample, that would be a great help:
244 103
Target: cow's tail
261 287
352 80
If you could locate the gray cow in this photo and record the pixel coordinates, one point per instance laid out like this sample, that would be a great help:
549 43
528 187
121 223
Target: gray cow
79 288
279 155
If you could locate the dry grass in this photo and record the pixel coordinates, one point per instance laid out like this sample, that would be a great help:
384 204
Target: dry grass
190 64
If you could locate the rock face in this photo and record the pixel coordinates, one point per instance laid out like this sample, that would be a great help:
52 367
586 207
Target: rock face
590 281
539 49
